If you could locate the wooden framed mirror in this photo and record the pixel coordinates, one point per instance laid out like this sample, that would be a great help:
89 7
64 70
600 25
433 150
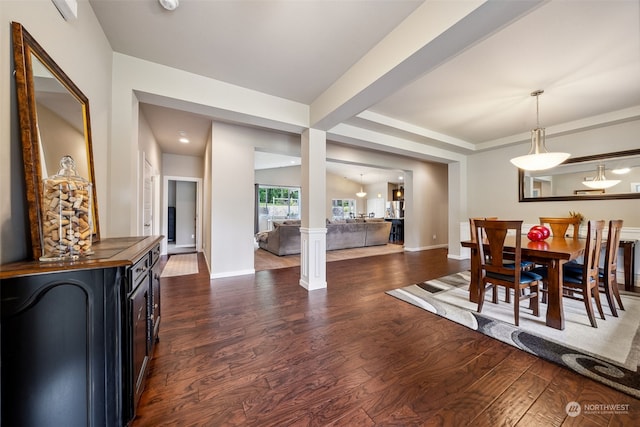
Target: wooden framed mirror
54 121
566 181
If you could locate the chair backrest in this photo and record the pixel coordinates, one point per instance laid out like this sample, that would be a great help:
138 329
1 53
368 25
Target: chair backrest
613 241
559 226
472 226
592 250
492 259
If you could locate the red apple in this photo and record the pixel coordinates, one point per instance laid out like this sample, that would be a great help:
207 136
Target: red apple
544 230
535 235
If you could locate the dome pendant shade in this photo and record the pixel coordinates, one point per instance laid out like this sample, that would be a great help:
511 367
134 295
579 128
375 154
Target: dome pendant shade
600 182
539 158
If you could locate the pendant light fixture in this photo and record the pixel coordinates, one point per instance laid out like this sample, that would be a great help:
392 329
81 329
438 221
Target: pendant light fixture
539 158
600 182
361 193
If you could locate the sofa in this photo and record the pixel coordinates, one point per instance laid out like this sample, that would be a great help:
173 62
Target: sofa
284 239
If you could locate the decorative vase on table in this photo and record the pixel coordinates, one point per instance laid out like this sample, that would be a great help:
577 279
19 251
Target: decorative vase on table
66 220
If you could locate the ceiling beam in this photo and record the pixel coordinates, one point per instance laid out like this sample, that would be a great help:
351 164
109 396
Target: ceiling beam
434 33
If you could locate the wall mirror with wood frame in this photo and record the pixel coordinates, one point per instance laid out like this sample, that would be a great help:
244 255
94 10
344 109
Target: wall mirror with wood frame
571 179
54 122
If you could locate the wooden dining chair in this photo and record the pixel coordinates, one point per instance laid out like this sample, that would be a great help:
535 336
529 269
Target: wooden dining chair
472 226
559 226
608 279
607 274
584 286
524 264
496 271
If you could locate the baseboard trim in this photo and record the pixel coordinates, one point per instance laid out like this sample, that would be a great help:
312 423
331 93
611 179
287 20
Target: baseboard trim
426 248
232 273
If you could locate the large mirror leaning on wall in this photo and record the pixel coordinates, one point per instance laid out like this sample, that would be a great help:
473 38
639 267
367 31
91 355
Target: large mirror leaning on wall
599 177
54 122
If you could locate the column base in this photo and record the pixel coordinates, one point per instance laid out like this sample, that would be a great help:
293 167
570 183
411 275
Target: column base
313 258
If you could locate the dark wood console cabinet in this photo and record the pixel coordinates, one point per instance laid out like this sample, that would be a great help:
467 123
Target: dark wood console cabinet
77 336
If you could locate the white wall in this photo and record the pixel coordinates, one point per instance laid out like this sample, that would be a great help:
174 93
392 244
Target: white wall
286 177
88 65
338 187
207 194
148 145
151 152
232 204
177 165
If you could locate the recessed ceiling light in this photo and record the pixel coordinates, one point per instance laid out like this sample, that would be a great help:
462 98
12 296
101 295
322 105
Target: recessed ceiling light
183 137
169 4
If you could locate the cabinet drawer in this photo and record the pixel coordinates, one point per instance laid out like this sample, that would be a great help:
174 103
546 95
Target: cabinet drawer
139 272
155 255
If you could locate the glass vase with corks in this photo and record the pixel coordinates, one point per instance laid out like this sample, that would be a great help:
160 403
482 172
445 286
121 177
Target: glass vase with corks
66 219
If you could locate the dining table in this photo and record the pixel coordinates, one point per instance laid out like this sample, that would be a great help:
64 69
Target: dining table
552 253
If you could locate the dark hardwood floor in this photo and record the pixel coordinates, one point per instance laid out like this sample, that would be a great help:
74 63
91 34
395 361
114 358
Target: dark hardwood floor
259 350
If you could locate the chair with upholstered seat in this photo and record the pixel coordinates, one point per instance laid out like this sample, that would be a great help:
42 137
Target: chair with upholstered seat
607 274
560 226
495 270
608 279
584 286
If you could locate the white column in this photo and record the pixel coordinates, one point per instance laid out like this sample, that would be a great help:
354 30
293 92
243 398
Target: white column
458 214
313 232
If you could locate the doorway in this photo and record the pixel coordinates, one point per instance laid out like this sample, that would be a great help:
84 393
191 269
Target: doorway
182 209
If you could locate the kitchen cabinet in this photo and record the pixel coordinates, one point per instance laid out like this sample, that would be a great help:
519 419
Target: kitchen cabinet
77 336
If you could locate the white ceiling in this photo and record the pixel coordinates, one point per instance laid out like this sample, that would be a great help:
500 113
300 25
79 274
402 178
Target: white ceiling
467 90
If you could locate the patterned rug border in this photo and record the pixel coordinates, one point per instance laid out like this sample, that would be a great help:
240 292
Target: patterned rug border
590 365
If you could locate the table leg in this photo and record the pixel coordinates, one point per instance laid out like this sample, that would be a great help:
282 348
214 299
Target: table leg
475 276
628 255
555 312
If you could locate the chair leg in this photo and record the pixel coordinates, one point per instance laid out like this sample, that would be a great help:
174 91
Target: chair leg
596 295
535 301
607 292
589 307
616 293
481 293
516 305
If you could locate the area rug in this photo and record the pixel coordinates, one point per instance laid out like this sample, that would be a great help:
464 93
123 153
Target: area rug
609 354
180 265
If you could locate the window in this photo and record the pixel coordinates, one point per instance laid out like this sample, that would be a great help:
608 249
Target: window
276 204
343 208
